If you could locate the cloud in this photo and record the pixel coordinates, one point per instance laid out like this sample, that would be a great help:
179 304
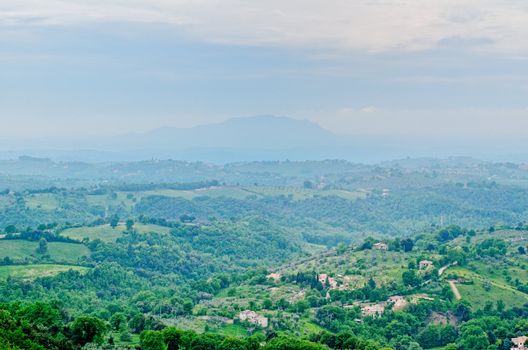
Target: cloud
369 109
366 25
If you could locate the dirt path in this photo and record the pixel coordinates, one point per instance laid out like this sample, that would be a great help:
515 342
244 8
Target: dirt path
442 269
454 289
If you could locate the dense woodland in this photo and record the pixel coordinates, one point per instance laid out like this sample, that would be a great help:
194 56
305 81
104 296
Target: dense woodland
407 255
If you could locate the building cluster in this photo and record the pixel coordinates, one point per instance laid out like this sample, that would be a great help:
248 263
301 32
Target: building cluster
253 318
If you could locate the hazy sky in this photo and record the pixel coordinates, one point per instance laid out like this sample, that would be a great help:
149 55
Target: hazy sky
452 68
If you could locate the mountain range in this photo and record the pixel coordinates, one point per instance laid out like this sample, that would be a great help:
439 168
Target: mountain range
250 138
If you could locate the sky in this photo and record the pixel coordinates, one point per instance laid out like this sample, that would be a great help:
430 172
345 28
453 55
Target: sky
406 68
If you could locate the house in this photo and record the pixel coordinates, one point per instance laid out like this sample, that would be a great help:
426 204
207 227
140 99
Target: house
332 282
380 246
324 279
398 302
519 343
276 277
425 264
253 318
373 310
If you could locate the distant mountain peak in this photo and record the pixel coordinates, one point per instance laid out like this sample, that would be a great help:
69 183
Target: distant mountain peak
263 132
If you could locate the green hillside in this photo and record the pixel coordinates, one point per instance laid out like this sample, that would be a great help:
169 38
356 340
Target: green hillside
58 251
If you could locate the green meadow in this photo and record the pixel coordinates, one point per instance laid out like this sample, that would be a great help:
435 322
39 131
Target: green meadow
35 271
58 251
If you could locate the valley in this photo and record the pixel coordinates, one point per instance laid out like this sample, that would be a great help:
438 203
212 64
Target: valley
383 261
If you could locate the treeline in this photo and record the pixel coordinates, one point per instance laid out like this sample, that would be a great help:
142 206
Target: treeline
42 326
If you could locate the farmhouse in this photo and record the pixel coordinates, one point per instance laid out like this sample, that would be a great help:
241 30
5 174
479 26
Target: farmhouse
253 318
332 282
373 310
425 264
519 343
398 302
274 276
324 279
380 246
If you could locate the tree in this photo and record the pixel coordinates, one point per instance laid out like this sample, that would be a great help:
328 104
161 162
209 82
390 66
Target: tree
473 338
414 346
42 247
125 336
10 229
40 314
86 329
463 310
434 336
500 305
172 338
186 218
410 278
267 304
188 306
129 224
289 343
341 248
114 221
152 340
521 250
407 244
118 321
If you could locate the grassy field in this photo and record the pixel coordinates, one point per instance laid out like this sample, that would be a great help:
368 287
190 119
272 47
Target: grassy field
104 232
108 234
486 287
34 271
58 251
233 330
44 201
302 193
230 192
